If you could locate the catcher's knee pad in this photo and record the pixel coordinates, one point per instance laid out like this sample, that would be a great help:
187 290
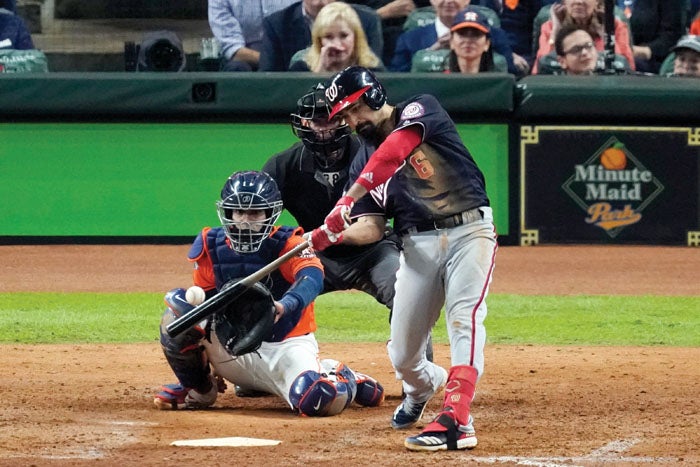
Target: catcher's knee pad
317 396
177 306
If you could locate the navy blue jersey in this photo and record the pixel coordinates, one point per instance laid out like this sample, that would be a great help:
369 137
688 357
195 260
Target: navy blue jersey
438 179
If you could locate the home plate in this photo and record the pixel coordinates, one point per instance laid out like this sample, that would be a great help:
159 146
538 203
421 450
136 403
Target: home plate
233 441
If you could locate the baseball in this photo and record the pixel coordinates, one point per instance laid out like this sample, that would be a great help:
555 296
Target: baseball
195 295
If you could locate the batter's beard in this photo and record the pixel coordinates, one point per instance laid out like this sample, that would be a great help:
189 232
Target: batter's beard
376 134
368 131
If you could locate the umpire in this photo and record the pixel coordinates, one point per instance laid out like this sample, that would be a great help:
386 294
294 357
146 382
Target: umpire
312 175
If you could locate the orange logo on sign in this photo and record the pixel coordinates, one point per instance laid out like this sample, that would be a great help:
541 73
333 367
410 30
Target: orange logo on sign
614 157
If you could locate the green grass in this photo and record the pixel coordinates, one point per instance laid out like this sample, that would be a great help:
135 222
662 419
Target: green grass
356 317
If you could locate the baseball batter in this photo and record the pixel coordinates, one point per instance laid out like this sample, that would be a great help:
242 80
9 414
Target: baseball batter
287 363
423 177
312 175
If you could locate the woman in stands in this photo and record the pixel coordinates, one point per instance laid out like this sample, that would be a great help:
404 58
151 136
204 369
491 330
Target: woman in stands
337 41
587 15
470 44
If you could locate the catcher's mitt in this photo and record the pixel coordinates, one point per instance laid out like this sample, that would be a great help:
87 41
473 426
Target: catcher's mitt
244 323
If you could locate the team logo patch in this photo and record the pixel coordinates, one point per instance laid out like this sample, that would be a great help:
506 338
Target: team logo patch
412 110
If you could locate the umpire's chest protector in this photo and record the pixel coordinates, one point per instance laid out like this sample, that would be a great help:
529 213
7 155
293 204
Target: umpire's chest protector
229 265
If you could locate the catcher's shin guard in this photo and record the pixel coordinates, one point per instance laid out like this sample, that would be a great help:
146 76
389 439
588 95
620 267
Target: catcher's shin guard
184 353
316 396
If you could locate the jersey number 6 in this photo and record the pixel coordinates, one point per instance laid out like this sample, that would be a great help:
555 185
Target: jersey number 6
420 163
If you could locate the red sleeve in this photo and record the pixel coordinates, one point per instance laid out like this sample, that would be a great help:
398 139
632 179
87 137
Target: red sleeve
388 156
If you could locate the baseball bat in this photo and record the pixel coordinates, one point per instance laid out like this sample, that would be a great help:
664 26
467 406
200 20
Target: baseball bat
218 301
609 24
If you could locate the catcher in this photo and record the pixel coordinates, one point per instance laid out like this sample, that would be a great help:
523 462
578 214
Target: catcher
264 340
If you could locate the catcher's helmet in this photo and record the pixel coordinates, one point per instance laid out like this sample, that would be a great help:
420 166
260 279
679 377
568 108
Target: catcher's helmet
249 191
326 141
349 85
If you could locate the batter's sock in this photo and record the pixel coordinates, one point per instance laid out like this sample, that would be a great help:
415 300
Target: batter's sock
459 392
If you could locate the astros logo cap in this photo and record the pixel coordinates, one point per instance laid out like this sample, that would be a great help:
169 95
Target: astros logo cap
471 18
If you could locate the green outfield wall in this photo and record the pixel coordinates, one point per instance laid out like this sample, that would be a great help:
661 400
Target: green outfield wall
155 179
133 157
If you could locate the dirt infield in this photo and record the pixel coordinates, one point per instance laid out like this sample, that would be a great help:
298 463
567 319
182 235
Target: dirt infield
535 405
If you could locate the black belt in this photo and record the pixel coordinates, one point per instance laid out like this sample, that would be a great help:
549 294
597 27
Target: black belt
454 220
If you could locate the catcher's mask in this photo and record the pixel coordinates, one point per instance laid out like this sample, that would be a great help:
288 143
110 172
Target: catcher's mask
244 323
326 140
250 205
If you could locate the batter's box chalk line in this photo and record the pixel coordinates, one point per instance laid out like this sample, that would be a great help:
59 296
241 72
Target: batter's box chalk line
610 453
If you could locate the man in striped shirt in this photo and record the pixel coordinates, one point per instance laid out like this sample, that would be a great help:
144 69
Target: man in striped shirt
237 25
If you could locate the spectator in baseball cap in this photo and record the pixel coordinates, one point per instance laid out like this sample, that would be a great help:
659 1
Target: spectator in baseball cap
470 43
687 61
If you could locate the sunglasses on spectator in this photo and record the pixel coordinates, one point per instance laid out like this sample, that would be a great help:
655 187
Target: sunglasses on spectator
578 49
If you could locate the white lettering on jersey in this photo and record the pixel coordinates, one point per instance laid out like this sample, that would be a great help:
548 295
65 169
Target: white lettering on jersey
331 177
380 194
307 253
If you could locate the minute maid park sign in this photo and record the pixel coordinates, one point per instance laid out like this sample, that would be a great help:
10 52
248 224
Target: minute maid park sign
612 187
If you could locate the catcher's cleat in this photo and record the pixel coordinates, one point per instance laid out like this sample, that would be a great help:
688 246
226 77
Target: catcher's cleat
178 397
370 392
409 412
453 438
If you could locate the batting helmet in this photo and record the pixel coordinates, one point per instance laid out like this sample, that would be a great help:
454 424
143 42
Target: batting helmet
249 191
349 85
326 141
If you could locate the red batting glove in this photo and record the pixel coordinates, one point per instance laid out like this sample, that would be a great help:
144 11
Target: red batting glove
339 218
321 238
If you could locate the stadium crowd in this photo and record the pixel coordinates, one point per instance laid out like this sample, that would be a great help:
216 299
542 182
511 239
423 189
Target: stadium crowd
515 36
